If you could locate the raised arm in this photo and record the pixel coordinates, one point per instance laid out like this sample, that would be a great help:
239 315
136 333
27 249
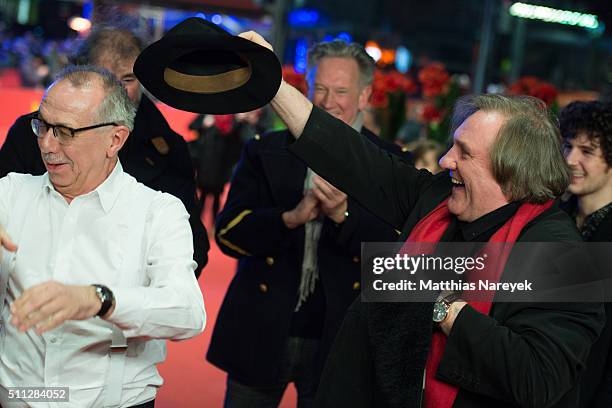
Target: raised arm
289 103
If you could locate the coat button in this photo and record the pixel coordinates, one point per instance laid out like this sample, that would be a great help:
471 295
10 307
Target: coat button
270 261
257 137
263 288
356 285
356 259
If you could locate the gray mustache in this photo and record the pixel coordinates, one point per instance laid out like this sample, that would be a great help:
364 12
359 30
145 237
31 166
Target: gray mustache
52 158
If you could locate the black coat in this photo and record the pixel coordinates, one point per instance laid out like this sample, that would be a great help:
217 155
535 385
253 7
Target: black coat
254 321
153 153
596 381
528 355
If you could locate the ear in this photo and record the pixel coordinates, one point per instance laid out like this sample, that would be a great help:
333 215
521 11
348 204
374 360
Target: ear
117 141
364 97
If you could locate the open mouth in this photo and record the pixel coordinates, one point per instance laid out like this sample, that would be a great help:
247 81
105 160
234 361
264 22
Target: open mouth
576 176
52 167
457 183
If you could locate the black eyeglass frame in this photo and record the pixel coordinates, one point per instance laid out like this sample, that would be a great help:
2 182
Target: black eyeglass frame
71 130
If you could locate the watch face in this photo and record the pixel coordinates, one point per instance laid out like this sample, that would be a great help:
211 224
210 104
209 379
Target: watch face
439 312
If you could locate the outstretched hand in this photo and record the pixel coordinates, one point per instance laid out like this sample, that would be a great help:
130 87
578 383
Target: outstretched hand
48 305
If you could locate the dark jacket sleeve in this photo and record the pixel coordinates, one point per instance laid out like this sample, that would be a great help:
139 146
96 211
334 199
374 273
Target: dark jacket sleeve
531 359
20 152
361 226
247 225
380 181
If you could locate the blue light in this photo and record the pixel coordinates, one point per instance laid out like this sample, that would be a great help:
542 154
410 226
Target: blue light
201 15
303 18
301 55
403 59
88 9
345 37
328 37
217 19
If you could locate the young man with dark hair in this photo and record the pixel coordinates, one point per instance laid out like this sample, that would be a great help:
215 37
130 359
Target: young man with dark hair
586 128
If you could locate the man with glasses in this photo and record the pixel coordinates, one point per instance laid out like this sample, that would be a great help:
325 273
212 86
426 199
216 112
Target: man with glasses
96 267
154 154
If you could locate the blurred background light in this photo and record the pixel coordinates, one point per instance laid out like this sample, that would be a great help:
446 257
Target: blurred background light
79 24
303 18
403 59
301 55
551 15
373 50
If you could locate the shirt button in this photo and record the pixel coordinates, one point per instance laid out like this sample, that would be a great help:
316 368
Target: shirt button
356 259
53 340
270 261
356 285
263 288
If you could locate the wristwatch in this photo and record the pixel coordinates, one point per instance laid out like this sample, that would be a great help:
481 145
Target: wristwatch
441 307
106 297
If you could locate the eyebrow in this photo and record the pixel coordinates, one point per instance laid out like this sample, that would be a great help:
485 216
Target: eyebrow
39 116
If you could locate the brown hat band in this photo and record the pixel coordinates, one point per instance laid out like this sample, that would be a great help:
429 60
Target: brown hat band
205 84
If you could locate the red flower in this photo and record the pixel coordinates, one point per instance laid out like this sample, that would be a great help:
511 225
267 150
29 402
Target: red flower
393 81
379 99
294 79
431 114
532 86
546 92
434 79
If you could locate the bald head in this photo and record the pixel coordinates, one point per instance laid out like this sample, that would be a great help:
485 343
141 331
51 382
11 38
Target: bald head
96 82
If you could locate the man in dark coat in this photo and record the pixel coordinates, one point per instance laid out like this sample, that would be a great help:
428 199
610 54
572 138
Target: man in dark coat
154 154
586 128
298 241
505 169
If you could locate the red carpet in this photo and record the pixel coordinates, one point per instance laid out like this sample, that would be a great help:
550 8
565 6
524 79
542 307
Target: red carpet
190 380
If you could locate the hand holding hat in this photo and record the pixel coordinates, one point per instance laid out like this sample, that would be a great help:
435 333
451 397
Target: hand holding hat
199 67
256 38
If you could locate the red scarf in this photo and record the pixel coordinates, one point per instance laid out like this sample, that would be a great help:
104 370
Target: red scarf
430 229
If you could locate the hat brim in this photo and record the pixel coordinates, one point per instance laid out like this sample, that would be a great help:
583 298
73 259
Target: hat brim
258 90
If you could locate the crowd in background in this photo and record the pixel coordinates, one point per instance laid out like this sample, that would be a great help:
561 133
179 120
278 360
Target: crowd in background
36 59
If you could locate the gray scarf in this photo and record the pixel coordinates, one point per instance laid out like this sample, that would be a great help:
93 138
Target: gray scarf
312 233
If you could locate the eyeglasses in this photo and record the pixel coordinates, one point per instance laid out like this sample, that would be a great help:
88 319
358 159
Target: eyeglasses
64 134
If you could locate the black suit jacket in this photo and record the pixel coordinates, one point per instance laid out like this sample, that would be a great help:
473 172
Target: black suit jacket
254 320
153 153
596 381
527 355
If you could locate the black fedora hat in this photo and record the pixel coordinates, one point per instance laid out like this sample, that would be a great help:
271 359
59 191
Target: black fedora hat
199 67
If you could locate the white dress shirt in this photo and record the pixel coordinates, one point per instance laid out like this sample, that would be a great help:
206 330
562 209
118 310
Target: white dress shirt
123 235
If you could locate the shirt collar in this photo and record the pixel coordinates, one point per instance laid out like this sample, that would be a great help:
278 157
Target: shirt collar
107 192
491 221
358 122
